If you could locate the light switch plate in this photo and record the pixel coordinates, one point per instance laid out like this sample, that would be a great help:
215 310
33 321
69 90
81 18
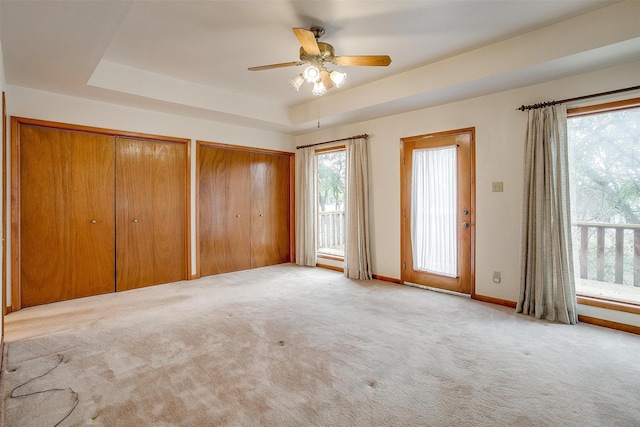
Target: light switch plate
496 187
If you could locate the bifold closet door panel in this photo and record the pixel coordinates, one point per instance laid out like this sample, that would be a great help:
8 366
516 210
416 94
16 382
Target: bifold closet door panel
44 224
269 210
169 212
150 213
224 210
213 211
281 211
134 214
93 216
238 193
66 215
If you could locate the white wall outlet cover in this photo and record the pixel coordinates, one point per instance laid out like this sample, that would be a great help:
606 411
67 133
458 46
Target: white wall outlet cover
496 277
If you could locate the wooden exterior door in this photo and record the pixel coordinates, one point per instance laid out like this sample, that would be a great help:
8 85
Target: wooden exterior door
462 215
150 212
269 210
66 215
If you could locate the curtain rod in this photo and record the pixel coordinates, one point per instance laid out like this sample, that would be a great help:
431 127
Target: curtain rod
577 98
364 135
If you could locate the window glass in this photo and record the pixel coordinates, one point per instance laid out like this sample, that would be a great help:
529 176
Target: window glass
331 201
604 153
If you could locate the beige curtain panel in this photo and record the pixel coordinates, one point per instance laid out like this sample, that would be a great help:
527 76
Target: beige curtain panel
547 284
357 257
306 207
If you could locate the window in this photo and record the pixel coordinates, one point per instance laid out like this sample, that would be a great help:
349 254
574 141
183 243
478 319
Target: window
331 201
604 157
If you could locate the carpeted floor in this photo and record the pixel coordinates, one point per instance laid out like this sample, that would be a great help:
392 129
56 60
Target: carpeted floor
294 346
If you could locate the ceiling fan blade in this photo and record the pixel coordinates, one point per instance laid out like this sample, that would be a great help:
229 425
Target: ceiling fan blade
363 60
307 41
326 80
282 64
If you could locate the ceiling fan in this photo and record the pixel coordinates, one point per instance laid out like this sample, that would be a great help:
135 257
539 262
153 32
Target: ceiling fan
317 54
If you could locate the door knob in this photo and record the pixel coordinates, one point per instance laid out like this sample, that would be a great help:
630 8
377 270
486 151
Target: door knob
135 220
93 221
465 212
238 216
465 224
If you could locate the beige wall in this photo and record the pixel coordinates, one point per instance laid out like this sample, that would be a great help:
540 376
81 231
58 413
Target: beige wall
500 131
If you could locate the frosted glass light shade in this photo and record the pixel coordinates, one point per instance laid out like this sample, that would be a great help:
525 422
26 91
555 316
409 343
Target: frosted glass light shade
297 81
311 74
337 77
318 89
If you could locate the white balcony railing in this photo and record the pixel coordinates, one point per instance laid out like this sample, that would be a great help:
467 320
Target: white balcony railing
331 233
608 252
608 261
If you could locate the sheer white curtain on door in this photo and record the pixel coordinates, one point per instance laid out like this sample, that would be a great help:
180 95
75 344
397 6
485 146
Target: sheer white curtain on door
306 207
434 209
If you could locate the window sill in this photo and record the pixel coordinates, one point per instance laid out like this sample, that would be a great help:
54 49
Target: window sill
331 257
609 304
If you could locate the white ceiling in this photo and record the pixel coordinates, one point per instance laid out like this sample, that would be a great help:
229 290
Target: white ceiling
191 57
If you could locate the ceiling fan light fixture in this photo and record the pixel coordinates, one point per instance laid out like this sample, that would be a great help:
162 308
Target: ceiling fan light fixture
318 89
337 77
297 81
316 54
311 74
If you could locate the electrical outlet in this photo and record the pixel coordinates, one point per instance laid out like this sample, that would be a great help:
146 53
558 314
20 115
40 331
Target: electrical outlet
496 277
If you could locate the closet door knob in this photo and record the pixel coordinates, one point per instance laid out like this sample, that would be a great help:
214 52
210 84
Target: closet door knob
261 215
135 220
93 221
238 216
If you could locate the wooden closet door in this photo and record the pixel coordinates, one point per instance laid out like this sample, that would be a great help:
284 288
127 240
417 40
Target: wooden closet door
238 193
224 210
169 212
150 213
134 214
212 211
66 215
92 215
269 209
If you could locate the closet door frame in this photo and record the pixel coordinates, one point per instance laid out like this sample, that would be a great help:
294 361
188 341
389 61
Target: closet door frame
218 145
16 122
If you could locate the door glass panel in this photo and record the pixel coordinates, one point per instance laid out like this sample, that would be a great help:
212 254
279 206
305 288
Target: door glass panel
433 211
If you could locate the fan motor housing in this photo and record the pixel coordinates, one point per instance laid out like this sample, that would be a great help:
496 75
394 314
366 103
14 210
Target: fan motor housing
326 53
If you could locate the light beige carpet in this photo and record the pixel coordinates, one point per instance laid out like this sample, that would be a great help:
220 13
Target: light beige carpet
294 346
